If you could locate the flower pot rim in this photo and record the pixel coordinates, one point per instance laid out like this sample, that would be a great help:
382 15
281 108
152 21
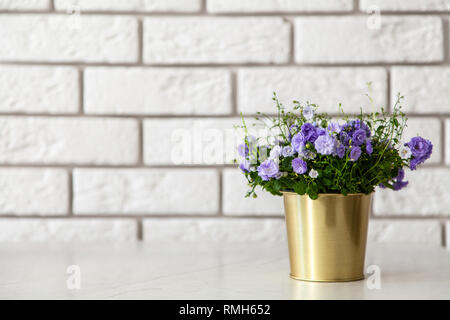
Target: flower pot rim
329 194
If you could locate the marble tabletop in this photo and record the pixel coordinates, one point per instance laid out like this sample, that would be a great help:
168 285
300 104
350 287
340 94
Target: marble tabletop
209 271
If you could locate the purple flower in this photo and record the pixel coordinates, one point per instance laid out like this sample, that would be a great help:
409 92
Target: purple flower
358 124
308 112
299 166
400 174
287 151
321 131
325 144
243 150
340 150
358 137
268 169
298 142
421 150
245 165
355 153
420 147
399 183
309 132
369 148
334 127
344 137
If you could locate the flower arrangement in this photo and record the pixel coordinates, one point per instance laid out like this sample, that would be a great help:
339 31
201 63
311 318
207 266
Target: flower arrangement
309 153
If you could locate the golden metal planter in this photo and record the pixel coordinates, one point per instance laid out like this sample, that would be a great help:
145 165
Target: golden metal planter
327 236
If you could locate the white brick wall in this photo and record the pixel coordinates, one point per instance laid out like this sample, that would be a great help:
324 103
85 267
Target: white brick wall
216 40
398 39
279 6
37 140
426 195
325 86
235 186
24 4
116 116
79 230
26 191
130 5
131 191
36 89
434 99
68 38
157 91
407 5
217 230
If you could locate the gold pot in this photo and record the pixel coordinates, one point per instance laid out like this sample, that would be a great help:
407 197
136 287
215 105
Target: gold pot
327 236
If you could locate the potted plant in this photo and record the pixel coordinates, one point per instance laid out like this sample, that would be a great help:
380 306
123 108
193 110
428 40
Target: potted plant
327 171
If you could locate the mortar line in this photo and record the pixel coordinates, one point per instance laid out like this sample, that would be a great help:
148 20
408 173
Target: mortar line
218 65
446 40
140 41
203 8
220 196
291 58
139 229
431 166
139 216
443 140
411 217
388 87
70 192
234 93
231 116
205 13
140 159
444 235
81 91
356 7
209 215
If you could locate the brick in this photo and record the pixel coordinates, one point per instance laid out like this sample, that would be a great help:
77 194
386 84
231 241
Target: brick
68 38
405 231
429 128
64 230
190 141
138 191
34 89
406 5
426 195
30 140
425 88
157 91
219 230
350 40
131 5
278 6
207 141
33 191
216 40
235 203
326 87
19 5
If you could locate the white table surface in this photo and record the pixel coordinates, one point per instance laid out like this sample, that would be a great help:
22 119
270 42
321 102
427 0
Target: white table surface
200 271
